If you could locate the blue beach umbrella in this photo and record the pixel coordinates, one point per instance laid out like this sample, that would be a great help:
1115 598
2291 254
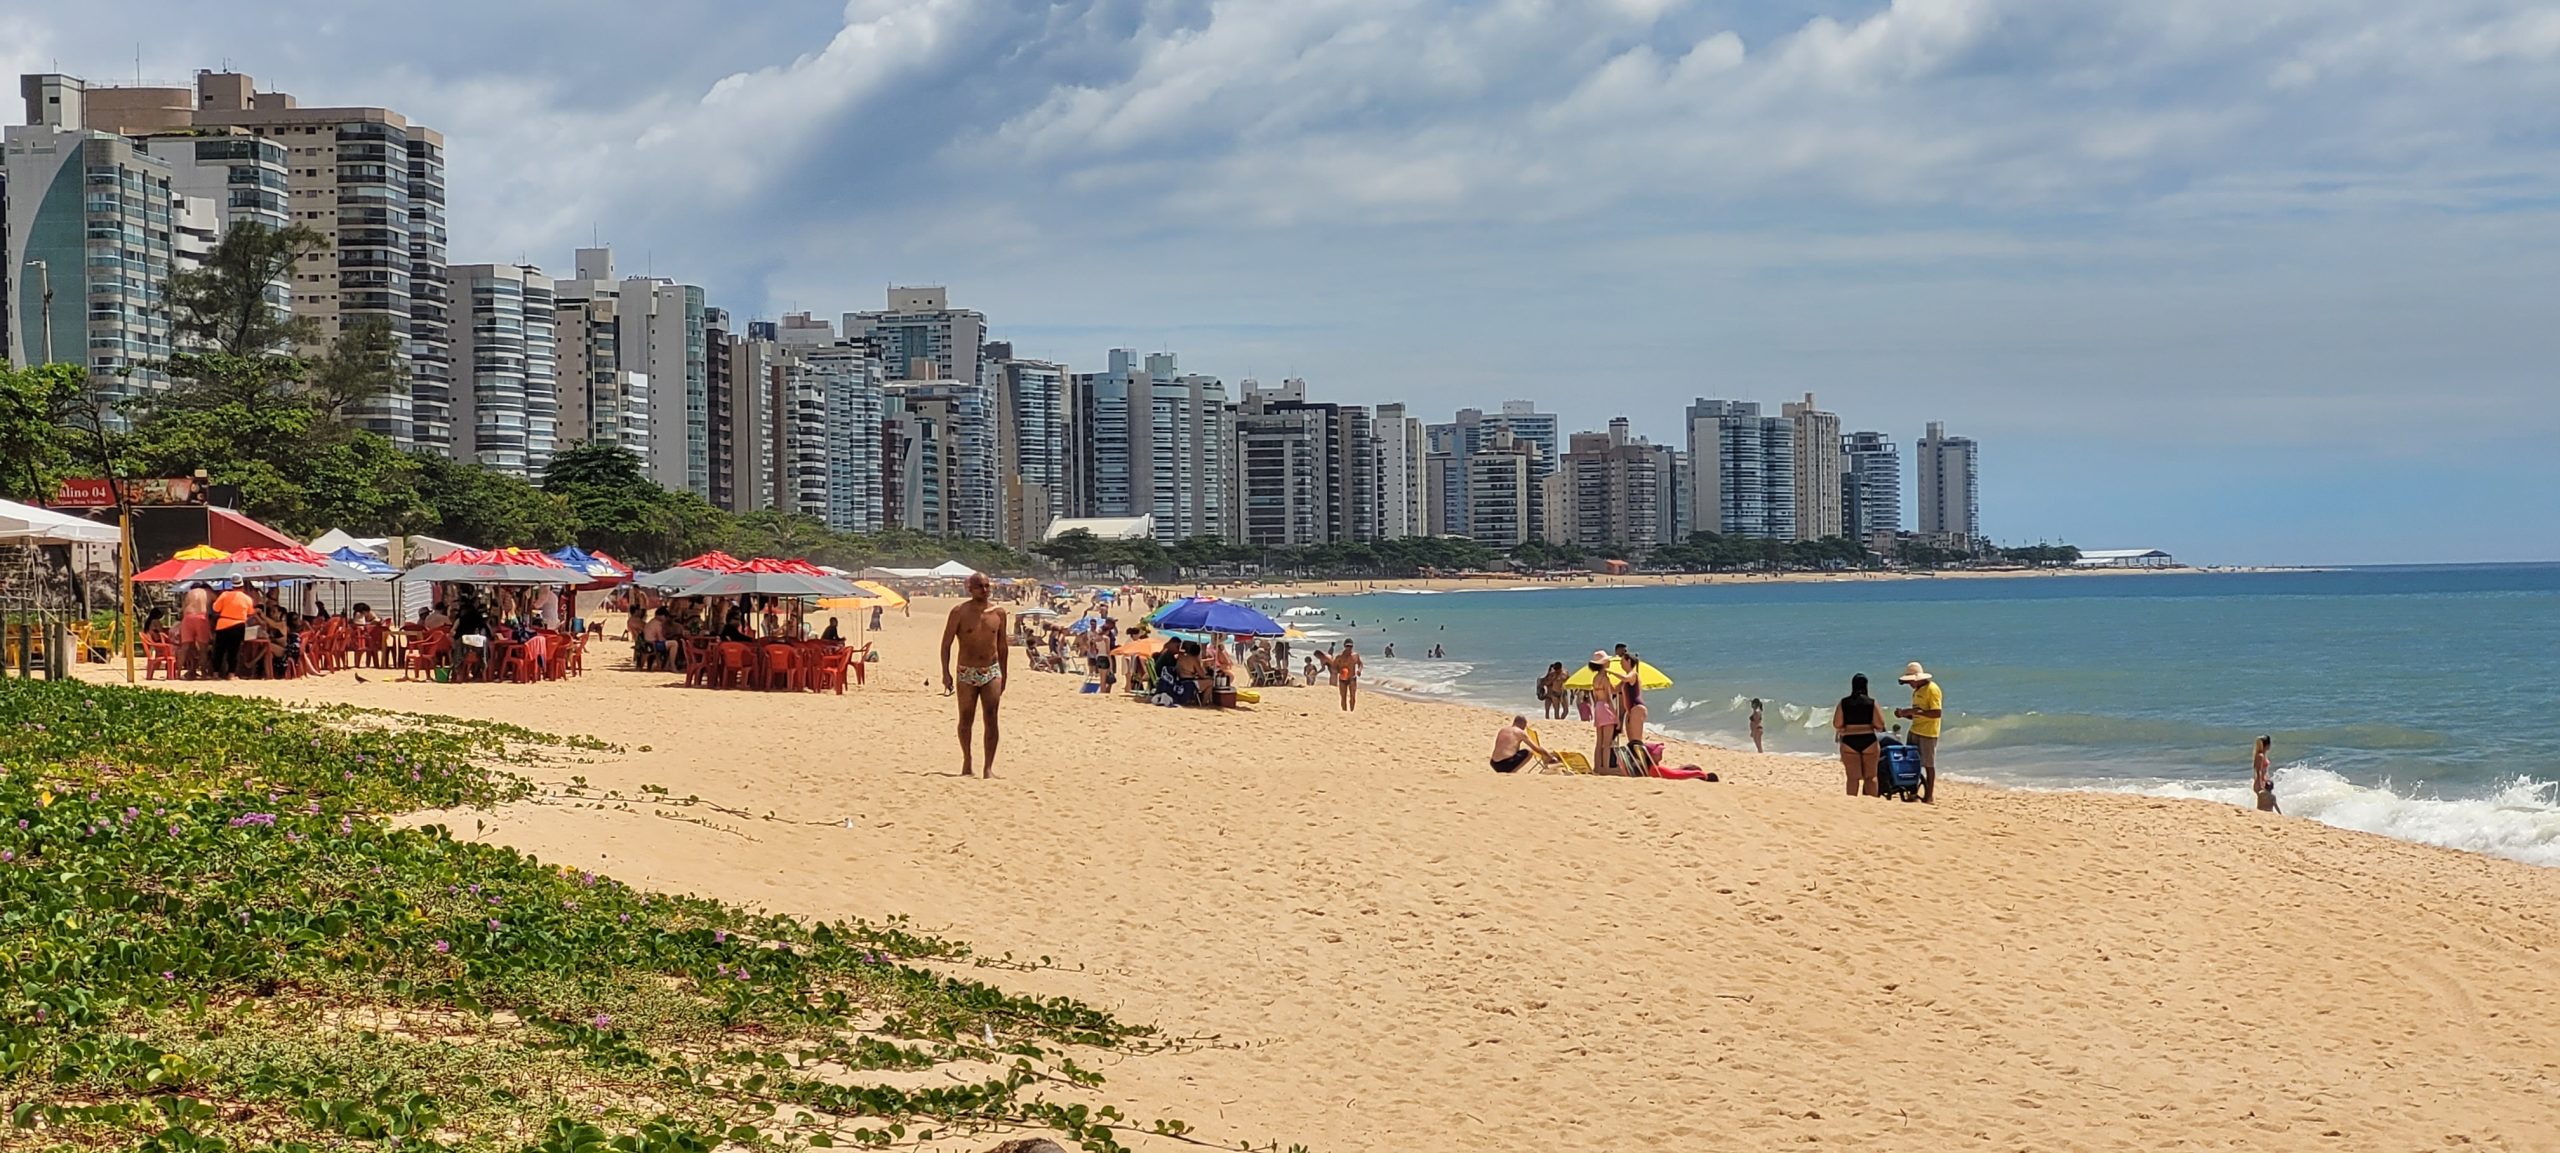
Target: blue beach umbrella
1212 615
364 562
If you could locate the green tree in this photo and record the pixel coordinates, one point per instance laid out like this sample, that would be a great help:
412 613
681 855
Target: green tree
363 363
491 509
224 305
40 441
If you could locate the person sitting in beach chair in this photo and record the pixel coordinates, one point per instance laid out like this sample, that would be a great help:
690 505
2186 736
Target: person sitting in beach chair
1515 744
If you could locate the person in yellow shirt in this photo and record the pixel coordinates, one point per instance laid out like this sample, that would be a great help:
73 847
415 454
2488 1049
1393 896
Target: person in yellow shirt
1928 707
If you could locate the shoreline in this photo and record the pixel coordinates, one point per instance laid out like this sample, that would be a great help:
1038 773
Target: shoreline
1493 582
1394 947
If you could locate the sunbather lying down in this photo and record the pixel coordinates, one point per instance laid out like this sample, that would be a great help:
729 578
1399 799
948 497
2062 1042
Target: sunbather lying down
1683 773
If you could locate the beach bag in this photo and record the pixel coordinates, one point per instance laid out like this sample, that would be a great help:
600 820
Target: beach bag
1898 771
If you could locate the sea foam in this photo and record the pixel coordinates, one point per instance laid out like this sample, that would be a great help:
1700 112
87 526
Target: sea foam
2519 820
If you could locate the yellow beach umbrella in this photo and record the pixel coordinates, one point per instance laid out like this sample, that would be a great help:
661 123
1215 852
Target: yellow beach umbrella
203 552
874 595
1647 676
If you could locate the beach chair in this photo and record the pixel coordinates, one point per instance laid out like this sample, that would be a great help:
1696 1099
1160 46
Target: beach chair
829 669
781 668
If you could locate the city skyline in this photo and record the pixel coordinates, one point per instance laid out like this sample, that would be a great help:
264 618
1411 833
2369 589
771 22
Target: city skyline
2225 314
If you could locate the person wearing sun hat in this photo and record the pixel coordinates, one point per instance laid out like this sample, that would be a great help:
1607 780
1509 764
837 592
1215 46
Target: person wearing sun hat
1928 707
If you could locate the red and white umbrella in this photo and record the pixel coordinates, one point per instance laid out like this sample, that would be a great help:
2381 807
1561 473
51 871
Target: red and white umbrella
504 566
277 564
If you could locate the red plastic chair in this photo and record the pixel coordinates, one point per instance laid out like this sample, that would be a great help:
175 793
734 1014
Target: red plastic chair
829 670
861 664
159 656
737 665
518 661
427 652
781 668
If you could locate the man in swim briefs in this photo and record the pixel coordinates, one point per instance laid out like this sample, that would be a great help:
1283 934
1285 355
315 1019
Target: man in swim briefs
1513 746
1346 676
977 625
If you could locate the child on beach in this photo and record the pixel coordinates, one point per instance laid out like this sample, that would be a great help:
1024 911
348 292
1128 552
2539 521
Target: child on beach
2262 777
1756 746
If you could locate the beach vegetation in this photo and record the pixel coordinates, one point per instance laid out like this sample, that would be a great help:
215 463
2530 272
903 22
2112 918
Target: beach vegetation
219 933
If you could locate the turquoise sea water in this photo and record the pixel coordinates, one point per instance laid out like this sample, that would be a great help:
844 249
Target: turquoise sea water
2419 702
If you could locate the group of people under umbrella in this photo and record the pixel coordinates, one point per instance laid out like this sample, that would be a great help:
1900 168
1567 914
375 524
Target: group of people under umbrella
1191 651
734 624
492 614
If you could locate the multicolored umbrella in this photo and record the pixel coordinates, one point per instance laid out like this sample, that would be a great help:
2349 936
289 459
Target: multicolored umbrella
773 578
506 566
277 564
183 566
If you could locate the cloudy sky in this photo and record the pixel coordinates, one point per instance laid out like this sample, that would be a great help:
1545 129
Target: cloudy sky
2252 280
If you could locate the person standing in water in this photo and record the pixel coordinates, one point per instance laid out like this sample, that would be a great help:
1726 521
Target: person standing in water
1756 745
2262 777
977 626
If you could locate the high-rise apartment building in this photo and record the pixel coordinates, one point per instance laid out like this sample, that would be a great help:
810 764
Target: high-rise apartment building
964 412
1743 470
856 409
1404 507
920 336
1503 493
1476 430
506 404
371 181
1152 441
663 338
914 454
1032 443
1615 490
602 400
1871 491
1444 481
91 237
1305 472
738 386
1949 496
1818 469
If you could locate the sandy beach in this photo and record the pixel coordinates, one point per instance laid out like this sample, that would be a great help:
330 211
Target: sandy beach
1398 949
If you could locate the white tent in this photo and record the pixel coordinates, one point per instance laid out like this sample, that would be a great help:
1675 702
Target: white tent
952 569
335 539
878 573
27 524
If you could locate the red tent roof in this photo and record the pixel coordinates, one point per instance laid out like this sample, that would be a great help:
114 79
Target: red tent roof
232 532
505 556
713 561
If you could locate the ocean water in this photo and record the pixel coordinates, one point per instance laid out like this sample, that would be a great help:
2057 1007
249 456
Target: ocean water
2419 702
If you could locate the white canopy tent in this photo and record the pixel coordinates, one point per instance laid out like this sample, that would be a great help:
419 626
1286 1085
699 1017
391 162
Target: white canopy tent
27 524
952 570
879 573
335 539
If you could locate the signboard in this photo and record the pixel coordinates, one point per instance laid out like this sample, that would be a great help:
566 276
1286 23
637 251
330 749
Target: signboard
97 492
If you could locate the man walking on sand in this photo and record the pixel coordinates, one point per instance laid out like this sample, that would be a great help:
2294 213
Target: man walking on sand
1346 676
978 627
1928 707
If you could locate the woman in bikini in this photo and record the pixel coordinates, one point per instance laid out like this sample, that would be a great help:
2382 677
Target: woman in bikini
2262 777
1855 721
1604 714
1632 714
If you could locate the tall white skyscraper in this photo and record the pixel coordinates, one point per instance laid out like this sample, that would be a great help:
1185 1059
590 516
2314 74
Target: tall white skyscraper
506 398
663 336
1151 441
1743 469
602 399
1399 455
1949 496
1871 491
1032 442
1818 469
